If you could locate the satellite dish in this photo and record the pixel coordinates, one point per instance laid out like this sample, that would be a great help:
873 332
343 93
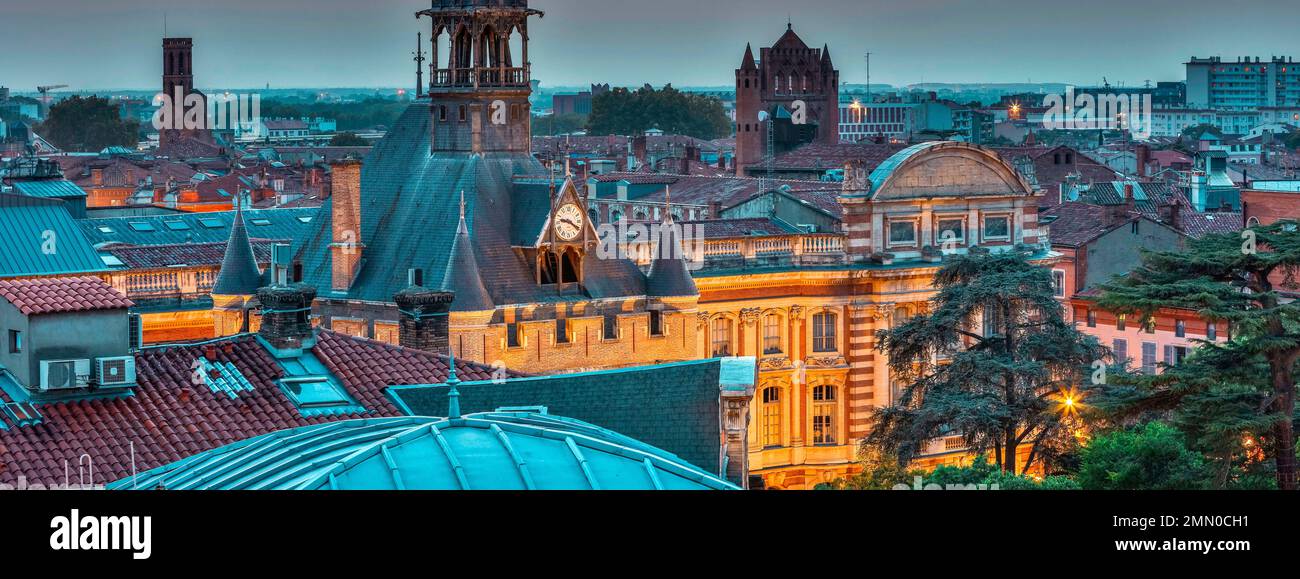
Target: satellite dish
762 116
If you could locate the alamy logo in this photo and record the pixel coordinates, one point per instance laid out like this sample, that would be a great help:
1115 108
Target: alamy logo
103 533
194 112
1101 111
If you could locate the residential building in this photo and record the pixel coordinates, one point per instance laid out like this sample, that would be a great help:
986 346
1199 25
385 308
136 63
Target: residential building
1246 84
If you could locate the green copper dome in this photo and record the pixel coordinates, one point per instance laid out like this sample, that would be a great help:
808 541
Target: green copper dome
490 451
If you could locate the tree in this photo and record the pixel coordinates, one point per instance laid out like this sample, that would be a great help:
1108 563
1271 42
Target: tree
348 139
880 472
623 112
558 125
983 474
1149 457
88 124
1227 392
999 388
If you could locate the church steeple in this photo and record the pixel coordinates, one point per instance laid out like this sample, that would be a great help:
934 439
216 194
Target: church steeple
748 63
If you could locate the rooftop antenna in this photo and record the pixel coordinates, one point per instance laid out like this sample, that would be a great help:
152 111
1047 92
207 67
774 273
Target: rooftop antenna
868 78
453 397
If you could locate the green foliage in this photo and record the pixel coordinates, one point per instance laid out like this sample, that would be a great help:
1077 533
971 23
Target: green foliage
370 113
999 388
624 112
1150 457
348 139
984 473
1225 393
879 473
88 124
558 125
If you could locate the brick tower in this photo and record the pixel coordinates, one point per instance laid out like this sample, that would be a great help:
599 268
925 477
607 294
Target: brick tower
797 87
178 83
479 91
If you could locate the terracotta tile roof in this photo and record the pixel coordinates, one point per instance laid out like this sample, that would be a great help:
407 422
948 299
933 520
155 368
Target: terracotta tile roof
822 157
1078 223
743 227
1202 224
1053 165
56 295
170 418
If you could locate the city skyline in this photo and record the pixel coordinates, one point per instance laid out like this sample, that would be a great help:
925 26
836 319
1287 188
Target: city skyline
242 44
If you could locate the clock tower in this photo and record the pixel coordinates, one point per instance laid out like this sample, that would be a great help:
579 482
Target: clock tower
565 240
479 89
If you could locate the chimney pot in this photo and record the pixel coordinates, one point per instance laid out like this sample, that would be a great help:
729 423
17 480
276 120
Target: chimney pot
286 315
424 322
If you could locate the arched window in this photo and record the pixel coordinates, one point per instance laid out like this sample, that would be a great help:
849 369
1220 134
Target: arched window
721 338
824 409
770 424
772 334
824 332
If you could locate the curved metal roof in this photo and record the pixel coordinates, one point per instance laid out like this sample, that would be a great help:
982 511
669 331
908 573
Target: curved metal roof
491 451
884 170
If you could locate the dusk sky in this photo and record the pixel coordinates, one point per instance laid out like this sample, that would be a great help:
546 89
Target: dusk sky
348 43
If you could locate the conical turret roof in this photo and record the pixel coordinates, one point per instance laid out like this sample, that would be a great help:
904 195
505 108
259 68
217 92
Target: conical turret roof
239 273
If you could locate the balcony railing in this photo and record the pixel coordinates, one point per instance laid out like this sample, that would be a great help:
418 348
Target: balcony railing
464 78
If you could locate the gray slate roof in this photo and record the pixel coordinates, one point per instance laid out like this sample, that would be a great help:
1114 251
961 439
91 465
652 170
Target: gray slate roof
239 273
198 227
409 214
676 407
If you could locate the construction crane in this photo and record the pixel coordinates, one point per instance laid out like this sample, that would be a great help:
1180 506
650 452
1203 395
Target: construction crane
45 96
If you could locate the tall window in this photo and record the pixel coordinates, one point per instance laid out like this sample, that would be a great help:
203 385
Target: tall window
824 415
611 327
770 427
771 334
656 323
721 337
824 332
1211 331
1121 351
561 331
1092 318
1121 322
1180 329
1058 283
1148 358
512 335
15 342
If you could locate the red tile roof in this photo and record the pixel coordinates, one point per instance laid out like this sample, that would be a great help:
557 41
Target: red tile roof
186 254
170 418
1077 223
822 157
54 295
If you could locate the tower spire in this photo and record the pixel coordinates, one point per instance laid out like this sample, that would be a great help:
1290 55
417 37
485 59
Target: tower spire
419 65
453 396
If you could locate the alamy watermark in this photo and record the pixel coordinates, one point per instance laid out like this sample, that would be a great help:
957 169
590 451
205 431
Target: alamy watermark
1099 111
195 112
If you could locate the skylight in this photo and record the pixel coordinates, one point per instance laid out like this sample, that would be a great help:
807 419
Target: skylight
315 392
211 223
105 229
305 219
141 226
111 260
177 225
262 222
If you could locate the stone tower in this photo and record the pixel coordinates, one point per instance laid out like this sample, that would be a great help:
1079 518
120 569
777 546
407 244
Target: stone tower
478 89
797 87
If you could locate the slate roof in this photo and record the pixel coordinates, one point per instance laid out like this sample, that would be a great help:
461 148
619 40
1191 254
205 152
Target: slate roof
741 227
462 277
489 451
49 189
409 213
61 295
185 254
731 191
239 274
212 227
169 418
26 225
675 407
669 276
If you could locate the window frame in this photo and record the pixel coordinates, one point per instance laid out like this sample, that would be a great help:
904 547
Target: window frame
889 232
984 229
824 410
15 341
773 321
771 415
938 228
819 341
729 329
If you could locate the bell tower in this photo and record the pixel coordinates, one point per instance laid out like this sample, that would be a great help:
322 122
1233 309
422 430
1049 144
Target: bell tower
478 89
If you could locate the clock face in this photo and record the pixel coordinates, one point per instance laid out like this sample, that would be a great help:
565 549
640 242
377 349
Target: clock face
568 222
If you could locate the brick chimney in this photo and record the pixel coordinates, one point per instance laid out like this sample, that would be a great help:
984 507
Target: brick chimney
345 193
97 177
423 316
1143 153
286 316
1121 213
855 199
639 147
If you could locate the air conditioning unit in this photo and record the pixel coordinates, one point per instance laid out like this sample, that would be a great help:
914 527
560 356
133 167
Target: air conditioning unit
115 372
64 374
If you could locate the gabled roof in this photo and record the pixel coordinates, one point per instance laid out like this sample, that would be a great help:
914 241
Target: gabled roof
1076 223
40 237
488 451
61 295
170 417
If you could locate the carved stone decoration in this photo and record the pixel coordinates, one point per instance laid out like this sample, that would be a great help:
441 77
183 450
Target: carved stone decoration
769 364
796 313
884 312
703 319
736 416
827 362
750 315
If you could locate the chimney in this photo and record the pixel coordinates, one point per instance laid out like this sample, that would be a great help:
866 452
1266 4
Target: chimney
855 198
639 147
345 192
97 177
423 316
1143 153
286 305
